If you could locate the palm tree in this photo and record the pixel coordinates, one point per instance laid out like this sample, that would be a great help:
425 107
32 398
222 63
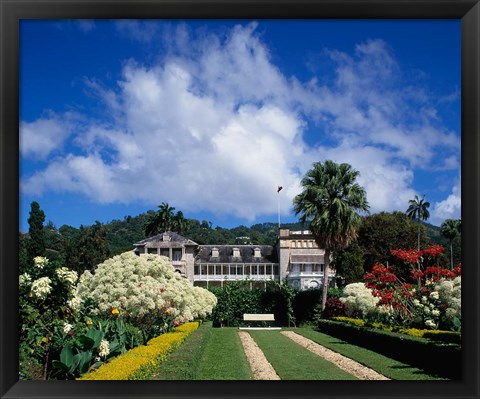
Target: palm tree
162 220
450 229
418 210
330 202
179 222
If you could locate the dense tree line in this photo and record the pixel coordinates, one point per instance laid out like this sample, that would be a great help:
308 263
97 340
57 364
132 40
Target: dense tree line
85 247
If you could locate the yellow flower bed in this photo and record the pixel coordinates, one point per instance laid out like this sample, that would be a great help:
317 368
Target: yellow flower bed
139 362
414 332
357 322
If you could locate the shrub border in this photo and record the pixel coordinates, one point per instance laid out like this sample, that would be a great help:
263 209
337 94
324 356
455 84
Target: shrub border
438 358
436 335
140 362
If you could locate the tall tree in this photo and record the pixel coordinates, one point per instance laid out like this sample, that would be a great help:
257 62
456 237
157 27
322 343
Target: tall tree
36 243
384 231
451 229
418 210
92 248
330 202
160 221
179 222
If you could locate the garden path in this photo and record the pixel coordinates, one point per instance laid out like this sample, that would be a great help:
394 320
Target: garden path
261 368
342 362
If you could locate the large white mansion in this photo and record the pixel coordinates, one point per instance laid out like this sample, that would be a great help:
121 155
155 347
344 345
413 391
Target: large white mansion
296 258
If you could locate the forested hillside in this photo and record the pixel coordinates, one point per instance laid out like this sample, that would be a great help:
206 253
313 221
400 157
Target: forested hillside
85 247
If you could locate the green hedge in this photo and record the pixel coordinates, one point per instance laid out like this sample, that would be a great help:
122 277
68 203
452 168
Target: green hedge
454 337
440 358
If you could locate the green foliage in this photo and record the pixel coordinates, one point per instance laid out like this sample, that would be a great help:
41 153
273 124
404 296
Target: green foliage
82 348
348 263
235 299
36 243
381 232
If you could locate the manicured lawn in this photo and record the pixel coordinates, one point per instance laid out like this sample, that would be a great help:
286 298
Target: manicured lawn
388 367
292 361
207 354
217 354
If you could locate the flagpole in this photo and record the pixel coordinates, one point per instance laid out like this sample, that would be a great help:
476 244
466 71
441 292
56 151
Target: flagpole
278 201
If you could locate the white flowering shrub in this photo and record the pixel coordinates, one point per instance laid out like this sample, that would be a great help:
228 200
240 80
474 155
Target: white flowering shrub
41 288
359 300
449 294
145 290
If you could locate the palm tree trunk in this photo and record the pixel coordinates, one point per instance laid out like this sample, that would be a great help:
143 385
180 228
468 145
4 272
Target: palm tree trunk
451 254
325 278
419 234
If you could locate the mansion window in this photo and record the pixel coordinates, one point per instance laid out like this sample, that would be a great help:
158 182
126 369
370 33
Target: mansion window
165 252
151 250
257 253
236 253
177 254
215 253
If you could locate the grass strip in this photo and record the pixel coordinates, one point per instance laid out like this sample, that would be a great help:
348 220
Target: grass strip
184 362
223 357
292 361
388 367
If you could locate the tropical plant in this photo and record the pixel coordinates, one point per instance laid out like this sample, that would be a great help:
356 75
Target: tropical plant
450 229
418 210
164 220
330 202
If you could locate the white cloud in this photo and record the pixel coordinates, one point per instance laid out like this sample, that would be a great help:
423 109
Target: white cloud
38 139
449 208
215 126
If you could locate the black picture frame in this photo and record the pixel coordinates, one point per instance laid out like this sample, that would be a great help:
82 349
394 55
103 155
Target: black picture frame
12 11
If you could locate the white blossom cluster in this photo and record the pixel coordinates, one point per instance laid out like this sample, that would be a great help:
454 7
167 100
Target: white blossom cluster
359 300
66 276
24 280
41 288
426 310
144 286
450 295
103 348
67 327
74 303
40 262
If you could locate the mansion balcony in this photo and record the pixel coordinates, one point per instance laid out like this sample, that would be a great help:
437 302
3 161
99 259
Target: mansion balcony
237 272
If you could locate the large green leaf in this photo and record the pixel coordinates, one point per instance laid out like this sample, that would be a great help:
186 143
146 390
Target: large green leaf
86 342
66 355
56 364
85 359
96 335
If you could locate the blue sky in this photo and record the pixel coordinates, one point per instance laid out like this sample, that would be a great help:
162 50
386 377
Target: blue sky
210 116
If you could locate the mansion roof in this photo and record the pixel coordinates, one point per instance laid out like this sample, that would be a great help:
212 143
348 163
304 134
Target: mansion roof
226 254
165 240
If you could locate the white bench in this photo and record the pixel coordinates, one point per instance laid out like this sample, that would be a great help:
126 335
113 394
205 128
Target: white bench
259 317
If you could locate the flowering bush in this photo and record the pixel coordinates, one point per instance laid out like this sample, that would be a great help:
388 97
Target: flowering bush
334 307
449 295
145 291
44 293
358 300
425 299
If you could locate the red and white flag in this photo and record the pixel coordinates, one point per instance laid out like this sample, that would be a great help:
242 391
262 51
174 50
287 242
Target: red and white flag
279 189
